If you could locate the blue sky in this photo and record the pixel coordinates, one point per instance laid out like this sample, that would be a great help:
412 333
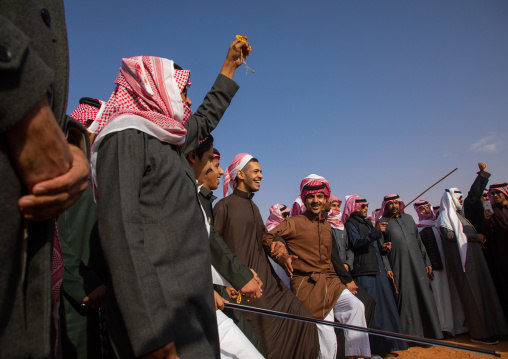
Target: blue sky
376 96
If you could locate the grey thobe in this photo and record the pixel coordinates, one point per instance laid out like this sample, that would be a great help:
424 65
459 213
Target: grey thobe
154 238
35 62
408 259
478 296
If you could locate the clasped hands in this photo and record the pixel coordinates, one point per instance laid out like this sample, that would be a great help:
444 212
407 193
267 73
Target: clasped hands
55 172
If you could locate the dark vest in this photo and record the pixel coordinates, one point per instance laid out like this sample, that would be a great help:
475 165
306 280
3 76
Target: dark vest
429 241
365 262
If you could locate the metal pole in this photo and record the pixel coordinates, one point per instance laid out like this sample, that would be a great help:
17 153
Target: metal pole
377 332
421 194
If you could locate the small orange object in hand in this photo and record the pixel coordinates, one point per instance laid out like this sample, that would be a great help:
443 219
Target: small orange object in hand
248 48
246 53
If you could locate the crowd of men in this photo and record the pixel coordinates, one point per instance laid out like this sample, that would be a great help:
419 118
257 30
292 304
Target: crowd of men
113 246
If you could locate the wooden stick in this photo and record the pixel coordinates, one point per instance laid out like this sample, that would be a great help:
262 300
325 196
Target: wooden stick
377 332
421 194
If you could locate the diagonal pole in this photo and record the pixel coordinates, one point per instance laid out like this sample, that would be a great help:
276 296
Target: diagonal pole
377 332
421 194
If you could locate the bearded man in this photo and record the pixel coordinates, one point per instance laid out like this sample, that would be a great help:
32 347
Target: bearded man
370 270
411 270
238 221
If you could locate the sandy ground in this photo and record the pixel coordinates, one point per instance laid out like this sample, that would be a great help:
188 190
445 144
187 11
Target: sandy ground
440 352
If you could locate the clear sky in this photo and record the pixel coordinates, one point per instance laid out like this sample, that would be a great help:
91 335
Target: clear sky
376 96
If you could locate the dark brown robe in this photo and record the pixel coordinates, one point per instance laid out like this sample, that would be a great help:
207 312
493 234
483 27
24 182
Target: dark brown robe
314 281
238 221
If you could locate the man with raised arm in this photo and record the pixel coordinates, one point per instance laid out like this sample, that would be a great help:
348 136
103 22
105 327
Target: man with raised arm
495 228
151 226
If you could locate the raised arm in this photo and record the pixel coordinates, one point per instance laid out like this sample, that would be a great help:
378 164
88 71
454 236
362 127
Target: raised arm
474 196
207 116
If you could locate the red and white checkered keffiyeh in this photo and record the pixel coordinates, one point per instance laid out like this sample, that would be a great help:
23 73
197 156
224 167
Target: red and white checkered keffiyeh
316 185
389 198
335 219
500 186
298 205
335 199
149 87
276 216
147 98
238 163
424 220
85 112
353 204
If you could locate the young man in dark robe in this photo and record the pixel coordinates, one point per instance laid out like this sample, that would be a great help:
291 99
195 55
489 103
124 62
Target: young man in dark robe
470 273
370 272
411 270
224 261
160 299
308 262
238 221
233 343
495 227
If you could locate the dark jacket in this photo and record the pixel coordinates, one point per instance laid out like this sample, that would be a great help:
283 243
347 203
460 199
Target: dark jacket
223 259
473 205
33 63
363 239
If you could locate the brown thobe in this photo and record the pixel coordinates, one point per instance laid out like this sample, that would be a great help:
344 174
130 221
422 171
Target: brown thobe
314 281
238 221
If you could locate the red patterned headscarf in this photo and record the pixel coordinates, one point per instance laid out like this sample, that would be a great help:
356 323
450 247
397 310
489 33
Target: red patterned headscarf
298 205
316 185
353 204
148 98
500 186
276 216
334 217
421 216
389 198
87 110
238 163
424 220
335 199
149 87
